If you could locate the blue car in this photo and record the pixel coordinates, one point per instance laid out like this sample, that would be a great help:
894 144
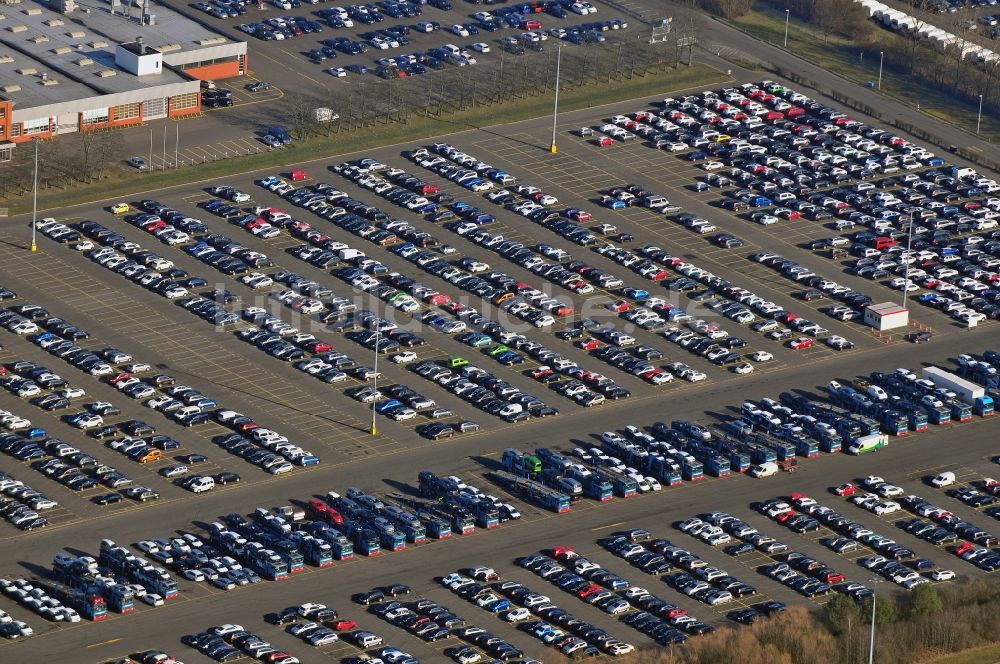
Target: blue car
387 405
636 293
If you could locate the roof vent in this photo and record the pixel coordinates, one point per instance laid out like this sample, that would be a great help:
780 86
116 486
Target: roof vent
32 11
83 62
76 34
50 81
11 88
6 59
62 50
18 28
139 46
106 73
27 71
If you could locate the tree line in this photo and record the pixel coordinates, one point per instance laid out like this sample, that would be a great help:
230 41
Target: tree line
926 623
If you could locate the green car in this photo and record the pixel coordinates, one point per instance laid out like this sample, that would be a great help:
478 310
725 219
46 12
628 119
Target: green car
456 361
496 350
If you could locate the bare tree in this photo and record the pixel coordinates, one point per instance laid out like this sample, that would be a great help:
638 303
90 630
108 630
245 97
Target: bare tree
728 8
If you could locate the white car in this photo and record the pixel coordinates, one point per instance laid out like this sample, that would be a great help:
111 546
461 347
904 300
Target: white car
339 72
517 615
942 575
743 369
480 47
193 575
887 507
152 599
761 356
459 30
405 357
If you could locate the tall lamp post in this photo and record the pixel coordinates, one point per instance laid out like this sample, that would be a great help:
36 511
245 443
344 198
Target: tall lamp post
555 107
881 57
378 334
906 269
979 118
786 28
871 643
34 197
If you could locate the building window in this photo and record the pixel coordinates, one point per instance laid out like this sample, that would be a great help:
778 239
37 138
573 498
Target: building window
179 102
37 126
127 111
94 116
15 130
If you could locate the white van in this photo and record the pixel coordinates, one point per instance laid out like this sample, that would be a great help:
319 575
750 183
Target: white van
349 253
201 484
943 480
764 469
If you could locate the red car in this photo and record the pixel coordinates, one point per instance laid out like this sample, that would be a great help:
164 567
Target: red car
588 344
579 215
341 625
605 141
541 372
560 552
784 516
845 490
532 24
620 306
317 346
800 343
298 174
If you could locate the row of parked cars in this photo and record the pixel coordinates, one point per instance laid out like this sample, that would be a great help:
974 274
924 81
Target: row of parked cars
537 615
21 504
228 642
36 598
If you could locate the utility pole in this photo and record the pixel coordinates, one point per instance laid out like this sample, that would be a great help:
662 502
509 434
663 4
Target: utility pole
34 198
378 333
881 58
786 28
177 143
979 118
871 643
164 147
555 107
149 166
906 269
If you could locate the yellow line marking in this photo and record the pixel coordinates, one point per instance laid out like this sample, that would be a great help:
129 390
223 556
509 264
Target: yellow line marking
610 525
103 643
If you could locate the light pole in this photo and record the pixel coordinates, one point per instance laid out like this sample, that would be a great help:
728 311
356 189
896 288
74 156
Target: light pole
555 107
34 197
871 643
881 57
906 269
979 119
786 28
378 333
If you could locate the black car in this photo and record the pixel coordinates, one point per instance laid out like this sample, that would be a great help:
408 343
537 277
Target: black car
107 498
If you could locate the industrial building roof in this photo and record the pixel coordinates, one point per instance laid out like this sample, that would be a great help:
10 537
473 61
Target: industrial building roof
48 57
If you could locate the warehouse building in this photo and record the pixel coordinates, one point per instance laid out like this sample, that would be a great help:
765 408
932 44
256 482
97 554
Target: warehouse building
67 66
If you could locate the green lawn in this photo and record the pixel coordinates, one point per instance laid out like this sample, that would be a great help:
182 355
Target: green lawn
985 655
843 57
125 184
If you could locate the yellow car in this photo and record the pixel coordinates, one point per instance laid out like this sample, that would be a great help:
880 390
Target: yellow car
120 208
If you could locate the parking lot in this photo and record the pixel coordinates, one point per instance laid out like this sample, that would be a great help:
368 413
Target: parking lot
612 389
